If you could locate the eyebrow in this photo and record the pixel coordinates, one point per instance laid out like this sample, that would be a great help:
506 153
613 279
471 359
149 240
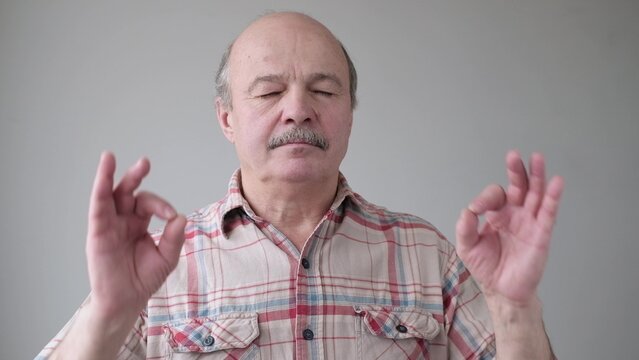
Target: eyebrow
317 77
314 78
264 78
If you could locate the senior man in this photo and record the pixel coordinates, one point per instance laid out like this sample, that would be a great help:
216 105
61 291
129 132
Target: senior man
292 263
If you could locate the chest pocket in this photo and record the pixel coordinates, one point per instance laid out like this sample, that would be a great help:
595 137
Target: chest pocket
213 337
394 332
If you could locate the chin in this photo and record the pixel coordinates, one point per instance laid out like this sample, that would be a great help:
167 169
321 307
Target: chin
297 172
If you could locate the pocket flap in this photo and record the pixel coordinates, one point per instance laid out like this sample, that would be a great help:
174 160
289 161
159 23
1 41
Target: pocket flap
208 334
398 322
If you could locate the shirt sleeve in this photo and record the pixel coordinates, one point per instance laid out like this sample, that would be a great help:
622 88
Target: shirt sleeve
134 346
468 323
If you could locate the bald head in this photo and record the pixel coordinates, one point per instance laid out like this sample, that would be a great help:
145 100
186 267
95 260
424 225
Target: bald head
293 30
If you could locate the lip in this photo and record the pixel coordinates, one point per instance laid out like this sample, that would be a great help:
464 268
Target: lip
298 143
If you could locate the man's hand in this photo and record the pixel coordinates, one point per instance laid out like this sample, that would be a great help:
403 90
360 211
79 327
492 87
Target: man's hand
125 265
507 256
508 253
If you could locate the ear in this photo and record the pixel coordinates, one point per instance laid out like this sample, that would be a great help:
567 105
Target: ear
224 119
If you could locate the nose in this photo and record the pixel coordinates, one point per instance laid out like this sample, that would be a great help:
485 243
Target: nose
298 107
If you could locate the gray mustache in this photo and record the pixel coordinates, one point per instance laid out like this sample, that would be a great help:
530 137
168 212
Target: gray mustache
298 134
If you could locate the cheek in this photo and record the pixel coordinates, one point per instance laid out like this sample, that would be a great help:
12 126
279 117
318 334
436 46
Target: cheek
340 128
343 140
251 141
252 138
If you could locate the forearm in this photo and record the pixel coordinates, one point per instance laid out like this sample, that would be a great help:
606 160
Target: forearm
94 335
519 329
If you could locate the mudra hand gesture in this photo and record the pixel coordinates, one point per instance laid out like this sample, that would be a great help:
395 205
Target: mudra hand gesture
125 265
507 254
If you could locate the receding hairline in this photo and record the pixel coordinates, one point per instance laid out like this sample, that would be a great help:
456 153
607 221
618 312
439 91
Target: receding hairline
223 74
265 18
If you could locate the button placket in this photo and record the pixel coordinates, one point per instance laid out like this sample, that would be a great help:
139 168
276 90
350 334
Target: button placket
309 283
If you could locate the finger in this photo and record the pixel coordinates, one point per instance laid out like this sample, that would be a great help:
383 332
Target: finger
518 180
492 197
550 205
102 191
466 231
148 204
537 183
172 240
123 194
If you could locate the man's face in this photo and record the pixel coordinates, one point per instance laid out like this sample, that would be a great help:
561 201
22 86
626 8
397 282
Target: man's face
287 72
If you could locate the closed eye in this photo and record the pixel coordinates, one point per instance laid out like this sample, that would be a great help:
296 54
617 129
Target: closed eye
270 94
323 93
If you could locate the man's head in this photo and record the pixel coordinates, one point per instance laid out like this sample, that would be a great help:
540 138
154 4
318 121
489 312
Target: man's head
286 94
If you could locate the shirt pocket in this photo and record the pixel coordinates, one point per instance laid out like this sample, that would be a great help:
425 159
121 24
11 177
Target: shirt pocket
213 337
394 332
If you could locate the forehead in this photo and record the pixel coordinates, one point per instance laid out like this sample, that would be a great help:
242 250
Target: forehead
289 47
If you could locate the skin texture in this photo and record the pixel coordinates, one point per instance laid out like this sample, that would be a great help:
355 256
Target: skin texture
288 71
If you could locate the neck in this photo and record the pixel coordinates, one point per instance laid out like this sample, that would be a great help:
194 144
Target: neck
294 208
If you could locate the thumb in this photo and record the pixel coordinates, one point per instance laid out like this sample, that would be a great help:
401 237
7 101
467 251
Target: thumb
172 240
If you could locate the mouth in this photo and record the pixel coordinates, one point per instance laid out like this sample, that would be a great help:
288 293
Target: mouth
298 146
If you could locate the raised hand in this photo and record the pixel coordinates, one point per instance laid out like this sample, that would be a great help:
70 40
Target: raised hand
125 265
507 254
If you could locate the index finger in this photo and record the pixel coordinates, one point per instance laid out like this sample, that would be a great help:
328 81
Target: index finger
102 191
123 193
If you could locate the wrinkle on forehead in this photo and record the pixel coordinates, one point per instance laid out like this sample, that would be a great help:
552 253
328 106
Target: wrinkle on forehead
280 33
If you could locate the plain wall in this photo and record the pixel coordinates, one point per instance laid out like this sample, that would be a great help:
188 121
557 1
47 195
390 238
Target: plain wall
446 88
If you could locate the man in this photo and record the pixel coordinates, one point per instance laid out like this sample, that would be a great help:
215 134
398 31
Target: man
292 263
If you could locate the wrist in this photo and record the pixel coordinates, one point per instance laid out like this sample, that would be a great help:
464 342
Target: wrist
513 312
92 323
514 320
108 320
519 328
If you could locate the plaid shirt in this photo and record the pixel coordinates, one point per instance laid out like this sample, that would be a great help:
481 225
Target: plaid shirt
368 284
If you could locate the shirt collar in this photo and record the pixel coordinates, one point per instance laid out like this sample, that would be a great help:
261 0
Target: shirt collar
234 200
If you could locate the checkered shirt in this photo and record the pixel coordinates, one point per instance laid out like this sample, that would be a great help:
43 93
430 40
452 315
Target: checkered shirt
368 284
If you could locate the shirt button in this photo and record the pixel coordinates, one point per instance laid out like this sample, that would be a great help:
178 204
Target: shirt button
308 334
209 340
305 263
401 328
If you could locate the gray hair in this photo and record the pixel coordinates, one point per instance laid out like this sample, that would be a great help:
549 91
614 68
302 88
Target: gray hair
303 134
223 87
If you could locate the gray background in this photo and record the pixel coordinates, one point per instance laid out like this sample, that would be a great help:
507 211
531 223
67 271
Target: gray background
447 87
